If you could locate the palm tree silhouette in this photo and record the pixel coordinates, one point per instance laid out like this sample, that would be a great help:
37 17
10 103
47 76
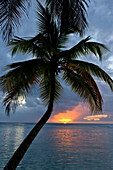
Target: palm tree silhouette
51 64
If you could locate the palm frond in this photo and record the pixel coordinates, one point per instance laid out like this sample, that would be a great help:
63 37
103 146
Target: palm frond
83 48
85 87
19 79
11 12
71 14
93 70
20 45
37 46
45 88
46 24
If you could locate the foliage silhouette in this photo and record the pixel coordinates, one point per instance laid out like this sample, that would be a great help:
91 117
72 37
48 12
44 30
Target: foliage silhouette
72 15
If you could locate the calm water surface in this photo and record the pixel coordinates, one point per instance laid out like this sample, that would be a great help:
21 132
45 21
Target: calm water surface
60 147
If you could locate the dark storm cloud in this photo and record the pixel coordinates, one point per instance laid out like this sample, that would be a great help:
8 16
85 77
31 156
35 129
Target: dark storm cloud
100 19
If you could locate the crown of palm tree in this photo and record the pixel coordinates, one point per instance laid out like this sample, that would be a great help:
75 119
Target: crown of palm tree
50 56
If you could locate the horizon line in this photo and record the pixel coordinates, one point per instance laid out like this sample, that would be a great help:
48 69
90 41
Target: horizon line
61 123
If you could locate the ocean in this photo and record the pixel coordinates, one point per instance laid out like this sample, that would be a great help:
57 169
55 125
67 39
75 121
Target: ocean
60 147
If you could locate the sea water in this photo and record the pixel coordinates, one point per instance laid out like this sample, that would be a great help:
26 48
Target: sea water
60 147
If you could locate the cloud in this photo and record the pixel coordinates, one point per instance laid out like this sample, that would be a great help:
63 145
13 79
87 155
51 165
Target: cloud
95 117
70 116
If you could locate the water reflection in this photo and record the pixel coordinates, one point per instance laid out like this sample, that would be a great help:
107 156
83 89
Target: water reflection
68 136
7 141
19 135
64 138
81 147
11 136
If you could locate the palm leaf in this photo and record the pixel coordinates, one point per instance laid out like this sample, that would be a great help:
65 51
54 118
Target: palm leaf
46 24
19 79
37 46
20 45
85 87
83 48
11 12
45 88
93 70
71 14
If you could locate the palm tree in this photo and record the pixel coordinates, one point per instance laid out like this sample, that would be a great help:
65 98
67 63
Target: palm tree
71 14
51 64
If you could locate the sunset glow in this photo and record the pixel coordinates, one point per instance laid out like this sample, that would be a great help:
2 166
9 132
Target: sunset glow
65 120
70 116
95 117
80 113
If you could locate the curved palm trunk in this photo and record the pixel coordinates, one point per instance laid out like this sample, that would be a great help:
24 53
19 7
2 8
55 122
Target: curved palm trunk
19 153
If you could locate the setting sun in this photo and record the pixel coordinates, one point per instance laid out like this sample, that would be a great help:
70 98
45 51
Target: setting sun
69 116
65 120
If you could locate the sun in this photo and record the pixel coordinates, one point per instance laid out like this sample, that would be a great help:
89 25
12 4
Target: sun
65 121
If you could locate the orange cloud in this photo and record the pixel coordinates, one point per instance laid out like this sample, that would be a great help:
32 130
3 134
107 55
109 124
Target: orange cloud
95 117
70 116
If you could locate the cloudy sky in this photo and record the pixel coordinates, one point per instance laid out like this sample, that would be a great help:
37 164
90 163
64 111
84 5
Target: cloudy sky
70 108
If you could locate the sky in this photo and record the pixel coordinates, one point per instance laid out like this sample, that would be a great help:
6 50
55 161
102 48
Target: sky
70 108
